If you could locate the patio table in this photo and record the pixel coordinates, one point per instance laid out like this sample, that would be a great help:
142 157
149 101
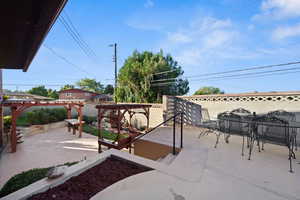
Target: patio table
278 132
73 124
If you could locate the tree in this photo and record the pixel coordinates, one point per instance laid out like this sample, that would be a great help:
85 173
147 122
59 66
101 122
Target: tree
208 90
109 89
90 85
39 90
139 79
67 87
53 94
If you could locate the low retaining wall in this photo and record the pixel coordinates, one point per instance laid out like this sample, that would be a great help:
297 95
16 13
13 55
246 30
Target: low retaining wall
45 184
152 150
36 129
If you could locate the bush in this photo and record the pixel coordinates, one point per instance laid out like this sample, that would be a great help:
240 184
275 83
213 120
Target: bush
26 178
106 134
45 116
89 120
7 121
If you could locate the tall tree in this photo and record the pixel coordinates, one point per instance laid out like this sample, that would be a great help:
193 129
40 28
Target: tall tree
52 94
90 85
67 87
109 89
39 90
208 90
140 79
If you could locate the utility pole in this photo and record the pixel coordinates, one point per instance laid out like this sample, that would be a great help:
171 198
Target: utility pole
115 60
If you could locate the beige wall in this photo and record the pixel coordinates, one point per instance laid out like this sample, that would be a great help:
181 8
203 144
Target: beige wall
255 103
156 114
156 117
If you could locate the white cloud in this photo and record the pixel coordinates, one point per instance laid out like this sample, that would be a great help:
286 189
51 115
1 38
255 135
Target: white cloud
178 37
279 9
286 32
201 40
149 4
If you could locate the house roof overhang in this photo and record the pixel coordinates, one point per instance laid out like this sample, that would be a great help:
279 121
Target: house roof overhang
24 25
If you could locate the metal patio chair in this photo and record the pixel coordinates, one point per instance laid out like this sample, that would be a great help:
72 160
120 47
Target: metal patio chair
233 123
273 130
207 124
289 117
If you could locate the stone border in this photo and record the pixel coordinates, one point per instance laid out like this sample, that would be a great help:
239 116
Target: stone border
45 184
36 129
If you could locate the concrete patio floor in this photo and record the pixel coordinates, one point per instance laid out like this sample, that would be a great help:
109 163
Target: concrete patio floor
47 149
201 171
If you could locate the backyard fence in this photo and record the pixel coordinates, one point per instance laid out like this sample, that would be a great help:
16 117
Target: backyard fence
192 111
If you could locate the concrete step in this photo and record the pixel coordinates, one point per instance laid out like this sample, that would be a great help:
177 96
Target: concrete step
167 159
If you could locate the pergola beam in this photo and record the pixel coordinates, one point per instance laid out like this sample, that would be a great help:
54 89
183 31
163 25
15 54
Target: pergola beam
18 107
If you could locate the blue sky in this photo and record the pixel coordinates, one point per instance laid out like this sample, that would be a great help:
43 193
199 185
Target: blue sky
204 36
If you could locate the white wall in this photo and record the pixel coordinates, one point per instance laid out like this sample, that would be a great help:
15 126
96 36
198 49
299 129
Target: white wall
254 103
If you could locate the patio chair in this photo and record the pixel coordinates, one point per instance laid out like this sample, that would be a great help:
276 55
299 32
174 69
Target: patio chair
273 130
289 117
208 125
233 123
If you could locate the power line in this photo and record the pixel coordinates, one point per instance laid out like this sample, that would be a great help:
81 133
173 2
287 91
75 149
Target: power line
74 36
70 28
66 60
258 76
16 84
80 38
252 75
233 71
247 74
164 72
247 69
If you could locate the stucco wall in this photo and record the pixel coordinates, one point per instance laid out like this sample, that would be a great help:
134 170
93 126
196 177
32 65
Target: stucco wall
156 114
255 103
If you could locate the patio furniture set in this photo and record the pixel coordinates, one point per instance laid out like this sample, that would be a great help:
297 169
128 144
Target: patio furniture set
277 127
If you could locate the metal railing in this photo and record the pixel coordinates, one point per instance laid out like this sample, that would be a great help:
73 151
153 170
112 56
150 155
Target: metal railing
174 131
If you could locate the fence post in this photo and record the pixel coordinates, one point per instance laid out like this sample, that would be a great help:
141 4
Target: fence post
181 129
174 129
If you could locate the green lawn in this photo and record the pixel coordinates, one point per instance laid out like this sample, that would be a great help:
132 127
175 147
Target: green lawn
106 134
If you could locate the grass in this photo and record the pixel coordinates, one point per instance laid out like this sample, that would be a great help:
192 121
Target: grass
26 178
106 134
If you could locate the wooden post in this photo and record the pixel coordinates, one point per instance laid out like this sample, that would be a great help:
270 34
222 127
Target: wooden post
99 130
13 134
80 120
147 115
119 124
69 111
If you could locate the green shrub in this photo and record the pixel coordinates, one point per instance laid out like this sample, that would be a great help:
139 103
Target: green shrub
22 121
7 122
89 120
106 134
26 178
45 116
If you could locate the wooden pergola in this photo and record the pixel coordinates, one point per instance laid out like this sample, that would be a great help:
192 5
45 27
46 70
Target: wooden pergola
116 118
17 107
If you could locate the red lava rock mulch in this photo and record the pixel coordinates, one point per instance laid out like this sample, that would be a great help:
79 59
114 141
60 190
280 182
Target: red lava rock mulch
92 181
